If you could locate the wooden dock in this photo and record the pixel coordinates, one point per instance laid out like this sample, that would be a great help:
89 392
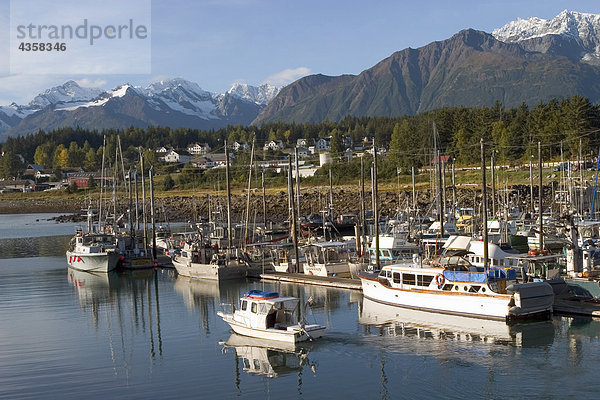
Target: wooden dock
330 281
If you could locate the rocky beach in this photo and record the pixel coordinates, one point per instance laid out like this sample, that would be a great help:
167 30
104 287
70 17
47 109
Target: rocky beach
313 200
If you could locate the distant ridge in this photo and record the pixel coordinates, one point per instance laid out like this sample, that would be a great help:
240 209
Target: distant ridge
175 102
531 63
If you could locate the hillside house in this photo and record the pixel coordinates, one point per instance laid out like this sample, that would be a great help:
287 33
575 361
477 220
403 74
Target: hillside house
302 142
273 145
178 156
203 163
323 144
303 152
240 146
198 148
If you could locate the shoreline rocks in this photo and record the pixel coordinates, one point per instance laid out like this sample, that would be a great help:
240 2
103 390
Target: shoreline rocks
313 200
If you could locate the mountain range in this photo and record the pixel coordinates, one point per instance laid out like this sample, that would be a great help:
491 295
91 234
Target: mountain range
527 60
175 102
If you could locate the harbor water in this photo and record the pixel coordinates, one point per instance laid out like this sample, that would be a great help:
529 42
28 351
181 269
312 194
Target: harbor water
153 335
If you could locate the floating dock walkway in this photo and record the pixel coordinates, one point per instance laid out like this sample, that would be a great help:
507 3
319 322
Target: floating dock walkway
331 281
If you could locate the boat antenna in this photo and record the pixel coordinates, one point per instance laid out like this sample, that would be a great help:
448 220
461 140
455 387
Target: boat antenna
308 302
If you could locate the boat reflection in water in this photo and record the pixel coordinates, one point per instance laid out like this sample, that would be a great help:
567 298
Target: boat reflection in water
204 296
95 288
268 358
195 291
397 321
127 306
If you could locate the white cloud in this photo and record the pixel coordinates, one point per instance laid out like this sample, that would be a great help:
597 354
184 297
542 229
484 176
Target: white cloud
88 83
287 76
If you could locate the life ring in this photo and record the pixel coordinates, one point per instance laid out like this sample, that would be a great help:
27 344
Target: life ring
440 280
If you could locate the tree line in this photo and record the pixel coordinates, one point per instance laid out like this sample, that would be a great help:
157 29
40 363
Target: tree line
566 125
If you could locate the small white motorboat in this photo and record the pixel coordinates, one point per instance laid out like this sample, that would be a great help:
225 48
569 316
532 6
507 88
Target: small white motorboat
267 315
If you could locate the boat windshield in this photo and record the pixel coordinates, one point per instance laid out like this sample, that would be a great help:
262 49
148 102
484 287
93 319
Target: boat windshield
455 263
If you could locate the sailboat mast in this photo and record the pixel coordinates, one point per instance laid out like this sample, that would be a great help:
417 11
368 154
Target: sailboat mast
248 197
102 181
375 201
540 196
294 228
229 230
484 202
144 213
297 181
151 176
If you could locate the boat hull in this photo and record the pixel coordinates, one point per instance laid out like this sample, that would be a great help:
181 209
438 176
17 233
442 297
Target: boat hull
330 269
209 271
93 262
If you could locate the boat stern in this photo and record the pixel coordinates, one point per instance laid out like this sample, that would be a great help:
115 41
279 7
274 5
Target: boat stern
530 299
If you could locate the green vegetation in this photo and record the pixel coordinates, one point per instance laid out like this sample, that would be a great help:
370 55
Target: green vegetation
512 133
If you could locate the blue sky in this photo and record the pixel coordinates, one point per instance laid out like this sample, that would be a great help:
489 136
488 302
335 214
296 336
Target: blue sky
218 42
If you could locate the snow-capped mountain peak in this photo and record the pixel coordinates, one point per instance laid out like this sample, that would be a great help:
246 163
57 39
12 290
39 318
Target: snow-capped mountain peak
170 85
69 92
582 28
172 102
260 95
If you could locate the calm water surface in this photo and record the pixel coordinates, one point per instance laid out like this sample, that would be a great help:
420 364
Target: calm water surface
153 335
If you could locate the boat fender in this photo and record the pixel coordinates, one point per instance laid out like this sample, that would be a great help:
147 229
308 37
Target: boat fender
440 280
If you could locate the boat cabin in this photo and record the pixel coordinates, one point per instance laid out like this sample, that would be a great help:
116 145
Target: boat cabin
92 242
264 310
393 249
449 273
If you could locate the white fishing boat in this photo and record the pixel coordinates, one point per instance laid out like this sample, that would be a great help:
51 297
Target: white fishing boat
393 249
327 259
268 316
93 252
203 261
454 286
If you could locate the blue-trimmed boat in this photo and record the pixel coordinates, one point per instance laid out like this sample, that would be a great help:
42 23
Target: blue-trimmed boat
454 286
268 316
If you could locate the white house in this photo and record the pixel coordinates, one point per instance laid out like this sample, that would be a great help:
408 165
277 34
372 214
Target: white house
203 162
323 144
273 145
301 142
178 156
162 149
198 148
238 146
303 152
219 159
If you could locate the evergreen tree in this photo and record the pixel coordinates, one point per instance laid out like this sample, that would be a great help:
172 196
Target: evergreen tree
336 143
168 183
10 166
